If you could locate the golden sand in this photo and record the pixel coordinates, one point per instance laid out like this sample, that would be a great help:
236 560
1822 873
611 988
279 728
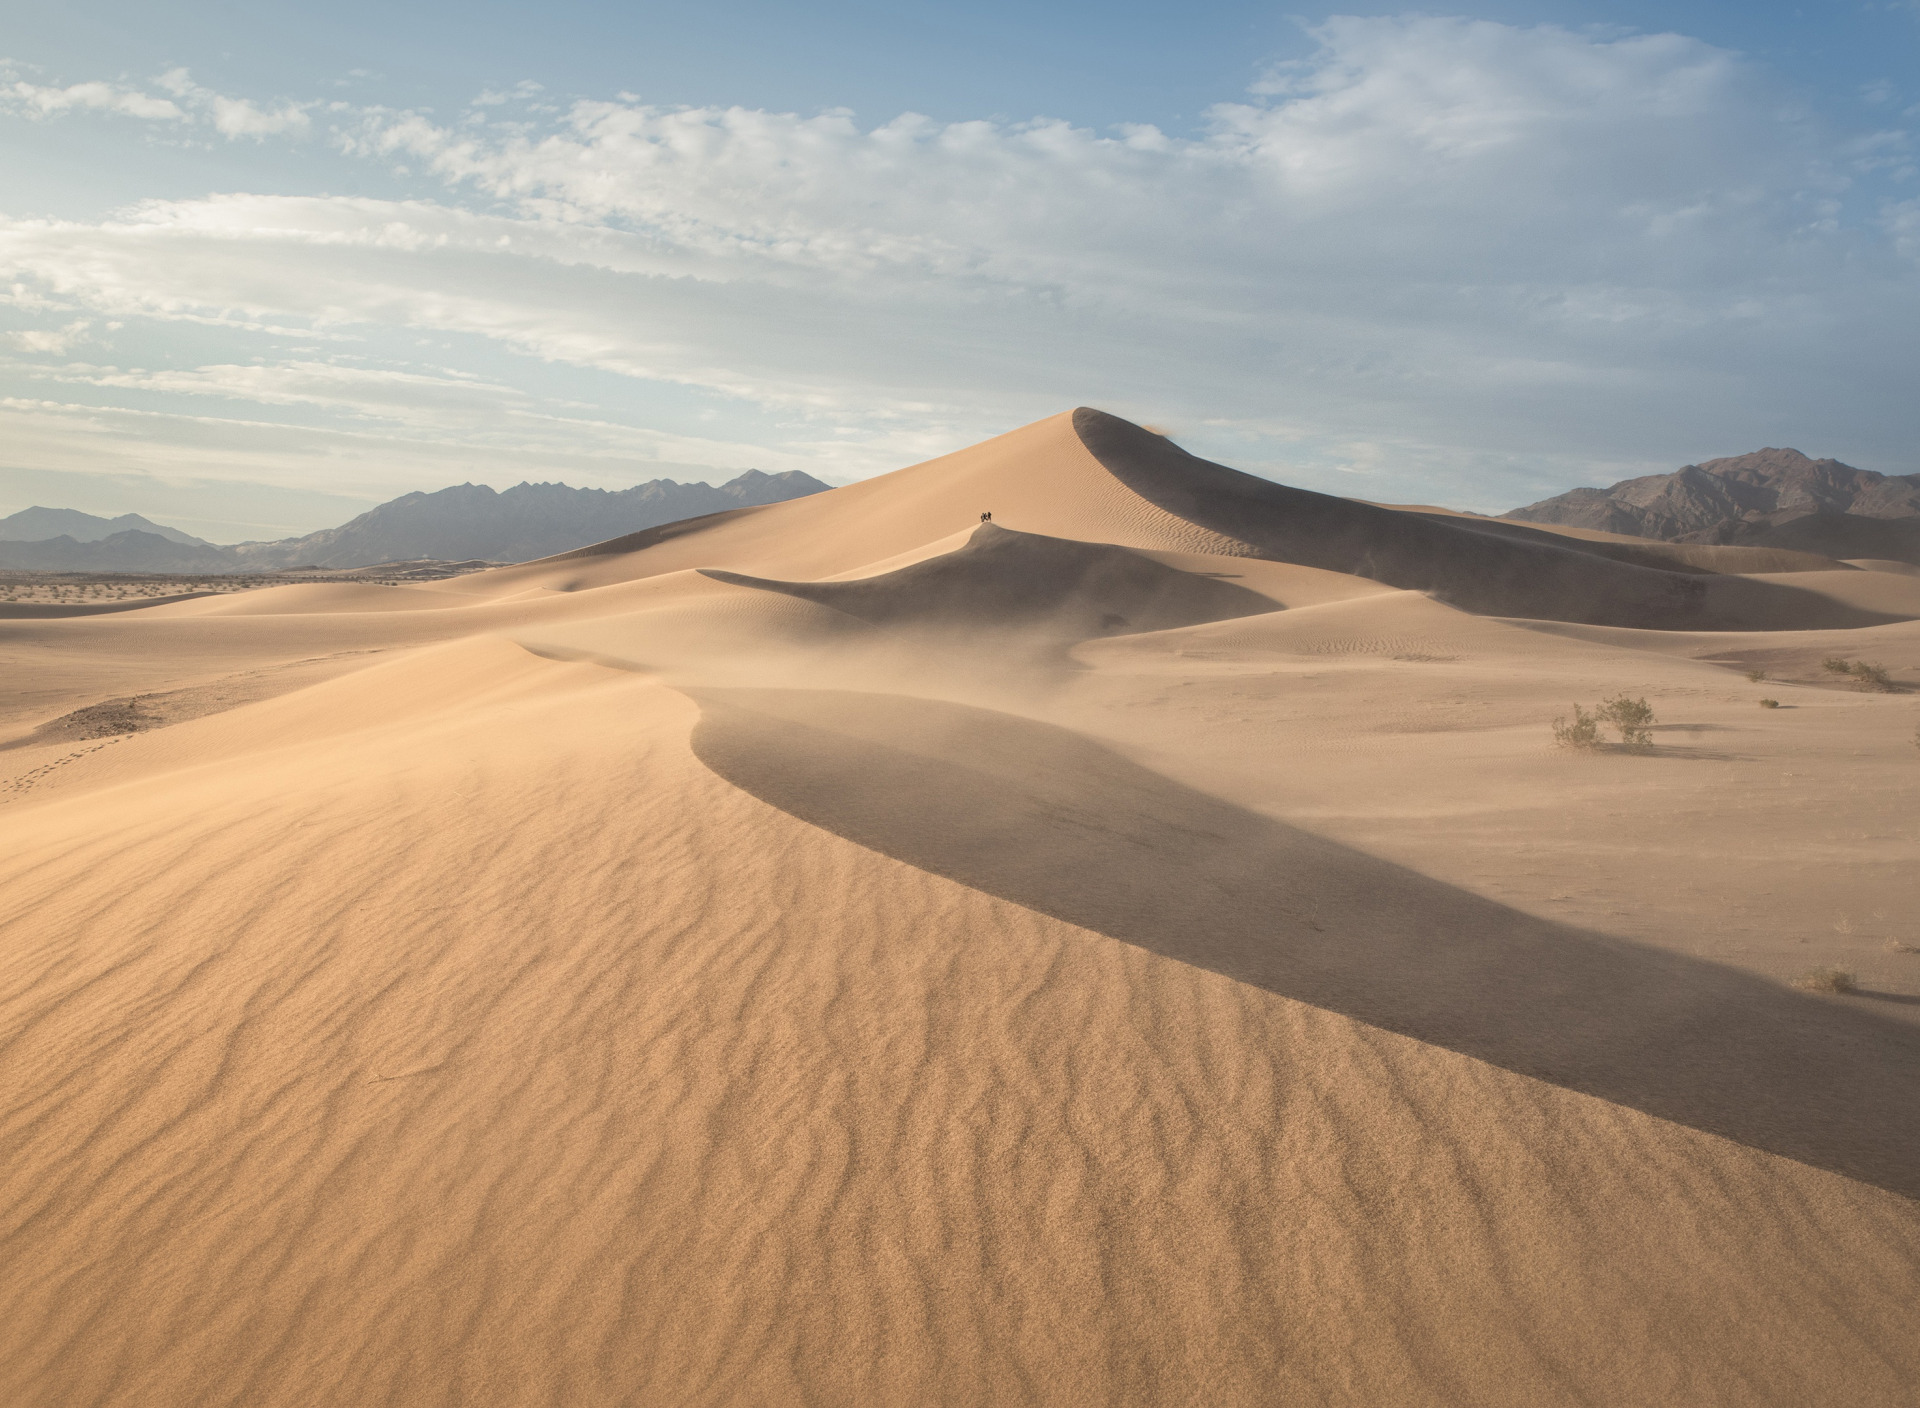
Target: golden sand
830 954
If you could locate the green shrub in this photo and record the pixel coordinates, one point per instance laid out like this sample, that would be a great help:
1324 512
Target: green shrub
1755 676
1582 732
1632 717
1827 980
1769 703
1834 665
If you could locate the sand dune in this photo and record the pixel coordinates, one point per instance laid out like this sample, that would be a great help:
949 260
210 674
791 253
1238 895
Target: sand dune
1880 564
1147 950
1001 580
980 797
1480 569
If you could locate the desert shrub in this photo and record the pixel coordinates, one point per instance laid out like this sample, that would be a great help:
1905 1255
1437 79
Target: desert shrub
1895 946
1827 980
1872 677
1769 703
1583 731
1631 717
1755 676
1834 665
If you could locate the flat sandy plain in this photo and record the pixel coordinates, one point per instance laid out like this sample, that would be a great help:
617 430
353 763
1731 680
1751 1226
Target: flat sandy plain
1145 951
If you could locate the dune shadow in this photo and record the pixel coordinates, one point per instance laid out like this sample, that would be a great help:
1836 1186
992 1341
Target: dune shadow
1050 820
1477 565
1003 580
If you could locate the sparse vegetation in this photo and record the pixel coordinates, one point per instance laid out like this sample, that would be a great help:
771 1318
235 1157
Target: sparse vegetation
1872 677
1769 703
1755 676
1827 980
1895 946
1868 675
1632 717
1582 732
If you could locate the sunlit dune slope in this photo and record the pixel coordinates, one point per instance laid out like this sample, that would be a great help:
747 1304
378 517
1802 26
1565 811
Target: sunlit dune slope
450 1033
1038 479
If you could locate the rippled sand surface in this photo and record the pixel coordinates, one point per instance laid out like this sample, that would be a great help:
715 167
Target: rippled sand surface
633 986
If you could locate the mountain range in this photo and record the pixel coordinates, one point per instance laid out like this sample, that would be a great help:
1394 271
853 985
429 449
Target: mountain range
36 525
464 522
1772 498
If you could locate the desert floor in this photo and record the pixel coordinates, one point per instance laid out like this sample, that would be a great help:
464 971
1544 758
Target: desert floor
837 953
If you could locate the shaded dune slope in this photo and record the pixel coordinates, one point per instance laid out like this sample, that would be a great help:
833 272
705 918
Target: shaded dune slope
1488 573
51 611
1004 580
1641 552
1046 818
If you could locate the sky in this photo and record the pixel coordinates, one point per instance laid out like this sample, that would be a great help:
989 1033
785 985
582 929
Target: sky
263 265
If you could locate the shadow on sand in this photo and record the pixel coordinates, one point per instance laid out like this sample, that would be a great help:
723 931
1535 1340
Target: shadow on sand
1478 565
1047 819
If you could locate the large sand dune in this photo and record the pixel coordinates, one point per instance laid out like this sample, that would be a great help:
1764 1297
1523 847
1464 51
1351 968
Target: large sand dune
1146 950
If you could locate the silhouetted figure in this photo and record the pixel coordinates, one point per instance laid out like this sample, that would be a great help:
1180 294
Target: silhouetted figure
986 518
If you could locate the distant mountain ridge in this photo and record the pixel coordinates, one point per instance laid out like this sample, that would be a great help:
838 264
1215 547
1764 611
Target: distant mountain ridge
35 525
525 522
466 521
131 551
1778 498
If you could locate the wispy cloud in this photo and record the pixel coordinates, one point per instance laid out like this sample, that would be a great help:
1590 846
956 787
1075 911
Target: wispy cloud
186 104
39 100
1470 250
50 341
235 117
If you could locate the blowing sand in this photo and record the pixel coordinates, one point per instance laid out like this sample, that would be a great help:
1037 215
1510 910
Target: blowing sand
1148 951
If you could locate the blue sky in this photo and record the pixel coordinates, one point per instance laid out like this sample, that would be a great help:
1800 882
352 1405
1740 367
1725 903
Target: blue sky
264 264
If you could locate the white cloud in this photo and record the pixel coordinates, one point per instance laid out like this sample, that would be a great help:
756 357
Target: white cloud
35 100
368 392
1450 245
51 341
189 105
236 117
